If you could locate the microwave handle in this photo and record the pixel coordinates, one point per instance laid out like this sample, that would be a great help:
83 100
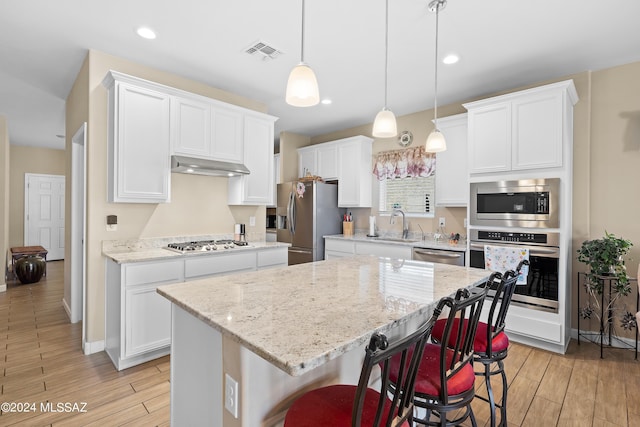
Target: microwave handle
532 251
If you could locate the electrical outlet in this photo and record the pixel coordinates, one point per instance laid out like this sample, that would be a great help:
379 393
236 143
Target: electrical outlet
441 222
231 397
252 221
465 223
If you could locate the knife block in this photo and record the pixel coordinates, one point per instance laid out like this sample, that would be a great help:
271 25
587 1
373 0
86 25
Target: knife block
347 228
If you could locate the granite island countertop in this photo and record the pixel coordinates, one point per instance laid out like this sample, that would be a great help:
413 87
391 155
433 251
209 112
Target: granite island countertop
428 243
299 317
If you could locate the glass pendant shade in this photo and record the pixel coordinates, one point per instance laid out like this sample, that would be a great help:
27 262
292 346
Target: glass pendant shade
435 142
302 87
385 125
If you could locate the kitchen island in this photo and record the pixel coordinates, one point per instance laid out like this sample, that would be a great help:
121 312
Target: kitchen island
278 330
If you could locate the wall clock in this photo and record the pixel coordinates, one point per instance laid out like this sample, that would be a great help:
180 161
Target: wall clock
405 139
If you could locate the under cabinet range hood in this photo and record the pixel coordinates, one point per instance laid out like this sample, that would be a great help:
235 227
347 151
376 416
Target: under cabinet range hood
183 164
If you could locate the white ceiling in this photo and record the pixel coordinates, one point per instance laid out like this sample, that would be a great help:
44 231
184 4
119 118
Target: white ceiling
502 44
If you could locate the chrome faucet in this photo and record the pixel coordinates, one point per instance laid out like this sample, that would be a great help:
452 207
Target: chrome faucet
405 226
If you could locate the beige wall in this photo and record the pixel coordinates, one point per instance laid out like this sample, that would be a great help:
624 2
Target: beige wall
198 205
28 160
4 196
613 164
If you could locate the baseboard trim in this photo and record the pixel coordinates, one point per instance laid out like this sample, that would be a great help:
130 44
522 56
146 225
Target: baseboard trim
93 347
628 343
3 288
66 308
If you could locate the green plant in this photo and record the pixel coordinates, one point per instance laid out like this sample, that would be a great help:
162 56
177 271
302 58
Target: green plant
605 257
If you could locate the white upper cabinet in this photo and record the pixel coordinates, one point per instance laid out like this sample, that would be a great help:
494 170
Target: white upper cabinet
320 160
307 161
138 140
276 180
226 135
354 172
191 127
537 131
204 129
349 161
327 161
452 179
490 138
530 129
257 187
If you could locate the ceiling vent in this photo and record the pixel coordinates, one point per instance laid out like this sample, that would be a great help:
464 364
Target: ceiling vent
264 50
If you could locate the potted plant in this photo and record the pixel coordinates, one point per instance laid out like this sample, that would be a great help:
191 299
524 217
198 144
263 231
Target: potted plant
605 258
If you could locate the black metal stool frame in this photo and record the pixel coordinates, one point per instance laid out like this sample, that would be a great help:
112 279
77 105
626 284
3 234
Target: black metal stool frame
495 326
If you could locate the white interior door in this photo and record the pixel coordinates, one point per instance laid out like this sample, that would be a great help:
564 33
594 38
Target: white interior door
44 213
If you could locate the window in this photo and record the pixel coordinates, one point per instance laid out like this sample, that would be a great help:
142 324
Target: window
406 181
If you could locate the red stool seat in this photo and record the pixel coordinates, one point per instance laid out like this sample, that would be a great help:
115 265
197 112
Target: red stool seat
332 406
499 343
428 379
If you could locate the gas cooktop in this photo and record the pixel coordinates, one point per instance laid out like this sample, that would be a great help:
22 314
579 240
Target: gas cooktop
205 245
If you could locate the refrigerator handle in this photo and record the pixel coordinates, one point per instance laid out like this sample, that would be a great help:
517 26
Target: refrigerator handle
291 213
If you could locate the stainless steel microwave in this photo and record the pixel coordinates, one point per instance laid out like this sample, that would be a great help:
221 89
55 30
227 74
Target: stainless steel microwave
522 203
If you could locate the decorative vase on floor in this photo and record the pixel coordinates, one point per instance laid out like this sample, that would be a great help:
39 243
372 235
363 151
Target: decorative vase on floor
30 269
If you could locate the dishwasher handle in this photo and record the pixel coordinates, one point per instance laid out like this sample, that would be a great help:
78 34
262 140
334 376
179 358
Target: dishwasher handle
437 254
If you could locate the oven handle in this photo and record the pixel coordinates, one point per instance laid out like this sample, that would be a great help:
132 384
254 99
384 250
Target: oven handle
551 253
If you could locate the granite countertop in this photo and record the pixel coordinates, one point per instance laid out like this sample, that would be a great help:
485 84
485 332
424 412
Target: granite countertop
127 251
414 242
302 316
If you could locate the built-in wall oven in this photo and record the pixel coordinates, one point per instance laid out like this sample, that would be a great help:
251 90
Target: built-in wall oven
521 203
541 288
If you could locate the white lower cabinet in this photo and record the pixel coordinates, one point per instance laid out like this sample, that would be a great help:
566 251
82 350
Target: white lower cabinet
148 320
272 258
384 250
336 248
138 319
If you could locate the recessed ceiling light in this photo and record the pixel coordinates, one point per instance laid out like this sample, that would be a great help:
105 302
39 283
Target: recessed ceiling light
452 58
326 101
146 33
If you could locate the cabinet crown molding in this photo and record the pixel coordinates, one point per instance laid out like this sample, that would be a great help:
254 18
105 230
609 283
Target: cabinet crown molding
567 85
113 76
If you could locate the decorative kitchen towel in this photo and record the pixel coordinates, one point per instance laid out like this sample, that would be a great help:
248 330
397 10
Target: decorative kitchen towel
503 258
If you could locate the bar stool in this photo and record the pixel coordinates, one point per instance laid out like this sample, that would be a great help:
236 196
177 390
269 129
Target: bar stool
492 343
350 405
445 380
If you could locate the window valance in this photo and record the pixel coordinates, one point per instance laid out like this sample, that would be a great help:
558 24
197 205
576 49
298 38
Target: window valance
407 163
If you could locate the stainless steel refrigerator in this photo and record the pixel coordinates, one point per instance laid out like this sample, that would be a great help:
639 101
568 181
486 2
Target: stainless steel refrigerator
306 212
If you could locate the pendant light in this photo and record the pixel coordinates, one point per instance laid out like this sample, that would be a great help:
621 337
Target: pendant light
436 142
302 87
384 126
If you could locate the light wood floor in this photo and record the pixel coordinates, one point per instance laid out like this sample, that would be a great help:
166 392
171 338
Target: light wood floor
41 361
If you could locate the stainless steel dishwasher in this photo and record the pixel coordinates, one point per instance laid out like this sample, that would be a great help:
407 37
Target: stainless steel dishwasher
438 255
